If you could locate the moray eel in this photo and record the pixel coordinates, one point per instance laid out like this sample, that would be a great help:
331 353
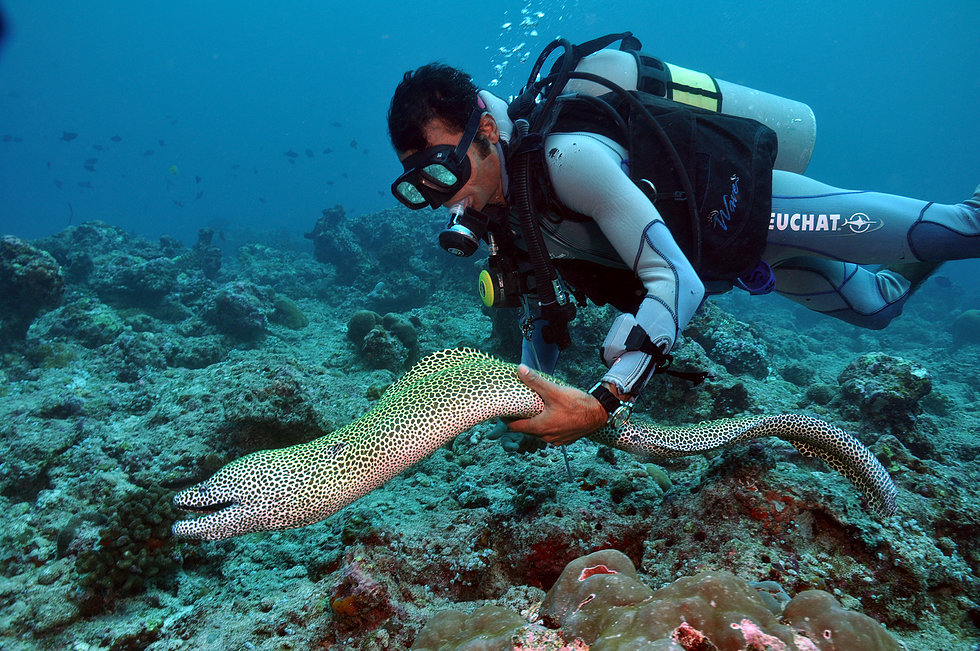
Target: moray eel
442 396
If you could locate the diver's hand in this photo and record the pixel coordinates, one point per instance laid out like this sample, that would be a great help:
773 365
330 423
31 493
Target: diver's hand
569 414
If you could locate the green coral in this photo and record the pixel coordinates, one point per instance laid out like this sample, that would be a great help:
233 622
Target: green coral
488 628
134 549
286 313
361 323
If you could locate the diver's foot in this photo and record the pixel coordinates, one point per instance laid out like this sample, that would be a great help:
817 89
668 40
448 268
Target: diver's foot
947 231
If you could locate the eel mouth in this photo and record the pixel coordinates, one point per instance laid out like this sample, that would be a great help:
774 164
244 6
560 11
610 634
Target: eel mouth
205 509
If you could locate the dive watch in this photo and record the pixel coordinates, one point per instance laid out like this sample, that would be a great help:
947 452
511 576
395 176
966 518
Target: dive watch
619 410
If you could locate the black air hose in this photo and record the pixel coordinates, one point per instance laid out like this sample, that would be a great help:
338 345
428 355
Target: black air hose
556 313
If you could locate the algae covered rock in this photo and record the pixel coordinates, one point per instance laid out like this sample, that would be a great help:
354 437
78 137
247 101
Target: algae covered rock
729 342
391 341
241 309
88 321
30 282
885 389
489 628
131 280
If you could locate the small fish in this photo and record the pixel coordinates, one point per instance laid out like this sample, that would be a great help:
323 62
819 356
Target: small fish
148 152
58 183
291 154
336 124
197 179
344 174
199 195
353 144
68 136
235 166
328 150
84 184
309 153
262 199
329 182
162 143
89 166
943 281
97 147
116 138
178 204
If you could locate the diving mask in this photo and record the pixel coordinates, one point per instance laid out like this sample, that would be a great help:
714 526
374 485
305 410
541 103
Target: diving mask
434 175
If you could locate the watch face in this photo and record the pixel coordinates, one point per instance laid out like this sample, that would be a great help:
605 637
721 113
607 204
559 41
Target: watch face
620 416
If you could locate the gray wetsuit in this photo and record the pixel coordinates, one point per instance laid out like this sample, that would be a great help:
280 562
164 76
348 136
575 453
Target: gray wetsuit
818 242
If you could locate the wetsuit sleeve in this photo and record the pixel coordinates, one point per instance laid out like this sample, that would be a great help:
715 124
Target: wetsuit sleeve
588 176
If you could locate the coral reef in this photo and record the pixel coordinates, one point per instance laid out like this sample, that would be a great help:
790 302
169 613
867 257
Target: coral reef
729 342
886 389
134 547
600 601
110 391
241 309
390 342
30 283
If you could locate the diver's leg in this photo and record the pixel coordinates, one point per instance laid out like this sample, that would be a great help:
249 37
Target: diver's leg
843 290
541 356
818 233
812 218
538 354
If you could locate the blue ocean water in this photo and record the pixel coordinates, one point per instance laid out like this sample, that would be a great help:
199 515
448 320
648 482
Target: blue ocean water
261 115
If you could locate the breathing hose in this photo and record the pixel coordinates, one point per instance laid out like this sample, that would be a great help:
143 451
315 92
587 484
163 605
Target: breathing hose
557 312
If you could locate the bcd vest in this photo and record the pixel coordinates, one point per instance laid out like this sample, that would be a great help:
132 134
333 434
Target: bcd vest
728 161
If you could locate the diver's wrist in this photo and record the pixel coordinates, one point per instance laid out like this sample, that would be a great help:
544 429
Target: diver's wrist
617 409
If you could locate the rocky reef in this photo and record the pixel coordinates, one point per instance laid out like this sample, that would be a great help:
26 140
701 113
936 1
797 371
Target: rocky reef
131 368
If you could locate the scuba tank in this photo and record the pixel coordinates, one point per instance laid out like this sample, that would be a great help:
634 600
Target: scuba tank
793 121
741 123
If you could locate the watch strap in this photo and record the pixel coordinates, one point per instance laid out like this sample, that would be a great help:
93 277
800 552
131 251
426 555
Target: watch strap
606 398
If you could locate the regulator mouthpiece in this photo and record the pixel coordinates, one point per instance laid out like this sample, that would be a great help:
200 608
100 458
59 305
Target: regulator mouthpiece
465 229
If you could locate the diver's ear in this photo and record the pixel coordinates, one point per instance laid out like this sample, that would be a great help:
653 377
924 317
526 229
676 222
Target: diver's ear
488 128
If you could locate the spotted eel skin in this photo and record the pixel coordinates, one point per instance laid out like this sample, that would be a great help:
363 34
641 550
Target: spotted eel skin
442 396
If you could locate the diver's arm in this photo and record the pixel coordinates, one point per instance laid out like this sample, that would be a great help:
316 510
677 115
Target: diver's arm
588 177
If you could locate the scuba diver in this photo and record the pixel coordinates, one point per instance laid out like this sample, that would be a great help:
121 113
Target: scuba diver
629 181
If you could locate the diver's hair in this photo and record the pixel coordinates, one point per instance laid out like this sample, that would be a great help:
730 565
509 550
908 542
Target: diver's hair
434 90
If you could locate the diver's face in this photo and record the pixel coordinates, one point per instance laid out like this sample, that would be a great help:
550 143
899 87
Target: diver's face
485 185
